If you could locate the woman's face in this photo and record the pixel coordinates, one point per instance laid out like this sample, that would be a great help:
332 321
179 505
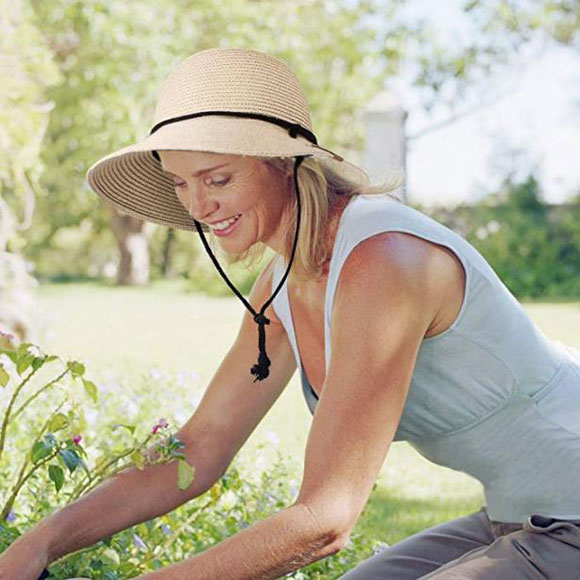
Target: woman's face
242 199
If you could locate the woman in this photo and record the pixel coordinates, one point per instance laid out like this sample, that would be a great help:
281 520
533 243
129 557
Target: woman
400 329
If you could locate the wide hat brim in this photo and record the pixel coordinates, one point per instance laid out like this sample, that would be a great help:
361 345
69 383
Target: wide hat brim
133 181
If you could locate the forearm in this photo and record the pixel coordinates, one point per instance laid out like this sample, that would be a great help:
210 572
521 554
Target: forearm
271 548
128 498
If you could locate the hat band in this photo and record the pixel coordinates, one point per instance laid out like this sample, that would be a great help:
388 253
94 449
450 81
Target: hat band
294 129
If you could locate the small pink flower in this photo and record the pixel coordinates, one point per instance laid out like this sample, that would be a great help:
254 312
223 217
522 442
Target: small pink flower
77 439
163 424
7 340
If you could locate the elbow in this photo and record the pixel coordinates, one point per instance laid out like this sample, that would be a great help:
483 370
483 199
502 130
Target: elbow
338 544
341 536
333 533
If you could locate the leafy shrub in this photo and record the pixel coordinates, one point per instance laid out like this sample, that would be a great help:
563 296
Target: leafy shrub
44 464
533 247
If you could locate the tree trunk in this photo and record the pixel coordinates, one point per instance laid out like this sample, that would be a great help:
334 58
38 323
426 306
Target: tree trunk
133 246
167 254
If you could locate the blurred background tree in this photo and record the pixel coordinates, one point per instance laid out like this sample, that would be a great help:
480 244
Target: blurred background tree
27 70
113 58
108 60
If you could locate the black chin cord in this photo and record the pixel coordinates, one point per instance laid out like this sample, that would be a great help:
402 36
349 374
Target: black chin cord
261 369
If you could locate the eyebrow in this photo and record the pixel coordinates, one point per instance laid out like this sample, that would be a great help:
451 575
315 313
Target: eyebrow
200 172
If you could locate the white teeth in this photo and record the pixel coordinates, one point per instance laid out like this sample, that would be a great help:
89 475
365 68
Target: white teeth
223 225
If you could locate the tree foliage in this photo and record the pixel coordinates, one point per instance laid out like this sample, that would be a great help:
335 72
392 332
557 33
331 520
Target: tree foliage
533 247
27 72
113 57
558 20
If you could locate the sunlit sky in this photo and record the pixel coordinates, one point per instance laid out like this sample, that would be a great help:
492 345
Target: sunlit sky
540 114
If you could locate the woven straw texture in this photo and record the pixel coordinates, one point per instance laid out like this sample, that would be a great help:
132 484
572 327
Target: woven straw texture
223 79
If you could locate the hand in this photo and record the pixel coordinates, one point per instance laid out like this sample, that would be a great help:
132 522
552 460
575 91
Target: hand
24 559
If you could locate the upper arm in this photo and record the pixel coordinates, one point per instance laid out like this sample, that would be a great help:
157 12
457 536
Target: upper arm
233 404
385 301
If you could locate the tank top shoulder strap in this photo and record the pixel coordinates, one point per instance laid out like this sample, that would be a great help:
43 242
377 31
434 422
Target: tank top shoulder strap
369 215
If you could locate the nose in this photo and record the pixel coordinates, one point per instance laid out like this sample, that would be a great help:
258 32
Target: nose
198 202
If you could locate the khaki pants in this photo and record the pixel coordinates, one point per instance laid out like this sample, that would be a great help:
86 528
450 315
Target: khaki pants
475 548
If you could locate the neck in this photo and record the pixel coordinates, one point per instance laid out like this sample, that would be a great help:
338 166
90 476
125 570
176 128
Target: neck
330 233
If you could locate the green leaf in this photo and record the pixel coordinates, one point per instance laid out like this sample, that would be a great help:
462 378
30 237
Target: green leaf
76 368
91 390
40 450
24 362
70 459
11 354
56 475
185 474
23 349
131 428
37 362
58 422
110 557
84 466
138 458
51 358
4 376
79 450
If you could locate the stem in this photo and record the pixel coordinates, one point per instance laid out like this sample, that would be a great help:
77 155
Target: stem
32 397
83 486
9 408
41 492
21 480
175 534
89 488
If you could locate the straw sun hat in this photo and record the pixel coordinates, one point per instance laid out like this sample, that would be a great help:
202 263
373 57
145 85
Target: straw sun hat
224 100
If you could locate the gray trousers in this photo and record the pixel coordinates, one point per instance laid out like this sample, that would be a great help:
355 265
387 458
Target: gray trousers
475 548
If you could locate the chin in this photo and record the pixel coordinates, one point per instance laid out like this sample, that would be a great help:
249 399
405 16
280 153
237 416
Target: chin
233 248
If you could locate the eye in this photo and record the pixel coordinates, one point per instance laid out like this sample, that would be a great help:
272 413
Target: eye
217 182
179 185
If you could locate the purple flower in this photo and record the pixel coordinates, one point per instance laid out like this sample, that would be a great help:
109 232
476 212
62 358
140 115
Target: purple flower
139 542
162 424
77 439
166 529
11 516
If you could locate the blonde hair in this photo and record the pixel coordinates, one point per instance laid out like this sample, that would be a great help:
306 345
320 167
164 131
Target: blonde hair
321 190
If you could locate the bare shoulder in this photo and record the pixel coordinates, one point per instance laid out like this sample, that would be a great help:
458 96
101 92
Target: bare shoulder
398 261
393 252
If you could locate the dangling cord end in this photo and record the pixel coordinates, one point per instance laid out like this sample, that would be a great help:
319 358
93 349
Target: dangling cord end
261 369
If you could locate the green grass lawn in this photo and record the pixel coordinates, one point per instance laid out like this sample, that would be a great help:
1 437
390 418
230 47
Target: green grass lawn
126 334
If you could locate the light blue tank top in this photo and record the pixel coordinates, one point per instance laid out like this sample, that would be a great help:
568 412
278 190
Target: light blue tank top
492 395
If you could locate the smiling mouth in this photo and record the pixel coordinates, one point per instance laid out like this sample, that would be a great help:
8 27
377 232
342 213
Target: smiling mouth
219 226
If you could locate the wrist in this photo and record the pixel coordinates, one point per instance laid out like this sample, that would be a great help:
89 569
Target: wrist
43 537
